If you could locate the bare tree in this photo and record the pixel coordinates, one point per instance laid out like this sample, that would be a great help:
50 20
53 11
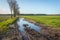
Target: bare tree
14 7
10 5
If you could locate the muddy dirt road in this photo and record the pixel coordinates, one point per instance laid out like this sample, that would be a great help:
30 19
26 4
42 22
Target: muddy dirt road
30 31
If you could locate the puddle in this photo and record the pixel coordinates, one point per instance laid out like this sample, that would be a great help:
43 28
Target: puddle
22 21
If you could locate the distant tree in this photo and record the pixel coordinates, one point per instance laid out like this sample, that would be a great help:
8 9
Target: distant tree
14 7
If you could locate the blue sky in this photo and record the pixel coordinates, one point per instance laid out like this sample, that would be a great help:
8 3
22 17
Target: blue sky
33 6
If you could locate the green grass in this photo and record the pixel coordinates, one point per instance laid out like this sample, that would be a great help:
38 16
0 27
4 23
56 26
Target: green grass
52 21
4 24
4 18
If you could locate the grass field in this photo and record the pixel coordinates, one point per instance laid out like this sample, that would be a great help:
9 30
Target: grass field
4 22
52 21
3 18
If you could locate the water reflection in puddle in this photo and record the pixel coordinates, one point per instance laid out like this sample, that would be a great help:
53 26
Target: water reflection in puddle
22 21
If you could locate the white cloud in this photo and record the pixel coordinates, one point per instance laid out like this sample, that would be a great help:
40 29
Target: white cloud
4 11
